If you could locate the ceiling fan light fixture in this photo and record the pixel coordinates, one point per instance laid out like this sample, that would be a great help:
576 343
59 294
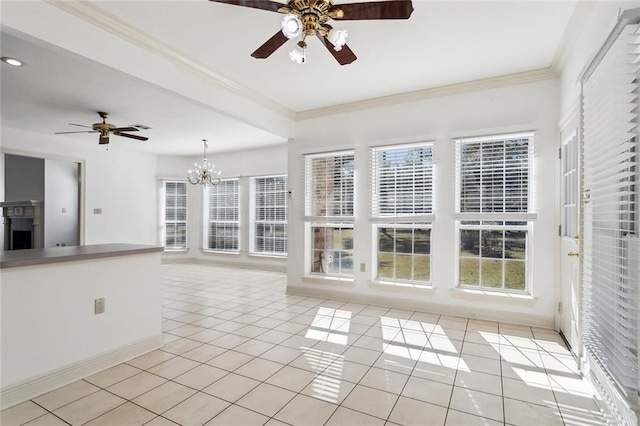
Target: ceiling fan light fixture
297 55
338 38
291 26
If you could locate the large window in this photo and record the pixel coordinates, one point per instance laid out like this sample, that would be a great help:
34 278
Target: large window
611 221
269 215
222 225
175 214
402 210
492 199
329 212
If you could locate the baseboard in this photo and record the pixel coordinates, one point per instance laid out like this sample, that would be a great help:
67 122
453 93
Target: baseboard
31 388
226 264
428 307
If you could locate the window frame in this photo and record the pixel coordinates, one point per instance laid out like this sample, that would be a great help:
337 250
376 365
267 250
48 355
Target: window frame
253 206
176 222
527 215
207 220
329 219
401 217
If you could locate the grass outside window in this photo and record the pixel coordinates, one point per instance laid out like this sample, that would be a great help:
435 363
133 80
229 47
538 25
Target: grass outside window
494 258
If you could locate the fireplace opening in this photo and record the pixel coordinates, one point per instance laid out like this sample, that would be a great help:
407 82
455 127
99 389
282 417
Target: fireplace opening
21 240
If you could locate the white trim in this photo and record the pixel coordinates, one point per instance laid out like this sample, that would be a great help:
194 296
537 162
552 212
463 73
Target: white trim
541 321
276 266
503 217
403 286
328 279
484 295
28 389
434 92
581 13
89 12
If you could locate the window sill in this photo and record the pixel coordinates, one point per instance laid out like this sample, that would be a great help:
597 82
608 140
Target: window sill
324 279
493 296
270 256
175 250
227 253
402 286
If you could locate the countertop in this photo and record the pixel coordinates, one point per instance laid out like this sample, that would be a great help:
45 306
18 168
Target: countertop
17 258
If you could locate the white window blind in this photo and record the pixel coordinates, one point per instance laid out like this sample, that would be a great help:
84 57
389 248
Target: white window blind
175 214
222 216
492 174
611 212
402 180
329 185
269 214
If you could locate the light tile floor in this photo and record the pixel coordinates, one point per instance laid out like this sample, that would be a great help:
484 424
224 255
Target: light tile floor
239 351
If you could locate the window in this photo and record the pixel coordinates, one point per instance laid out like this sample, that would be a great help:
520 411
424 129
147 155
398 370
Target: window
611 223
402 210
492 199
222 216
404 252
570 186
493 254
269 215
329 195
175 214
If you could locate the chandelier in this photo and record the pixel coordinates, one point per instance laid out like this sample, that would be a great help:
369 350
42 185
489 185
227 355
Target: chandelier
205 173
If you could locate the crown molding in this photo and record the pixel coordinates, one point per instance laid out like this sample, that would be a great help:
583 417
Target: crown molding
98 17
580 15
435 92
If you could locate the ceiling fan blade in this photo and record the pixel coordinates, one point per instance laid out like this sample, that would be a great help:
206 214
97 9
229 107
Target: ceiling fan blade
390 9
270 46
344 56
80 131
269 5
125 129
124 135
80 125
103 140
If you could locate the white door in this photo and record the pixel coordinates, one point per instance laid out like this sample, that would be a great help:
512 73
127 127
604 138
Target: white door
569 308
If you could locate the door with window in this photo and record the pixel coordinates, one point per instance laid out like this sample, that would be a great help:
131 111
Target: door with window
569 304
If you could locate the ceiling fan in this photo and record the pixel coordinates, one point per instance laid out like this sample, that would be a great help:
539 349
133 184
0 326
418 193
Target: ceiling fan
309 17
105 129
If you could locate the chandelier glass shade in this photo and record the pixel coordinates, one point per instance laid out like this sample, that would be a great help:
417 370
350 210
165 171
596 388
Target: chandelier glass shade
204 174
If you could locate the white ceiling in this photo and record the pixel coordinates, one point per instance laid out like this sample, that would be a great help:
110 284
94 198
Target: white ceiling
442 43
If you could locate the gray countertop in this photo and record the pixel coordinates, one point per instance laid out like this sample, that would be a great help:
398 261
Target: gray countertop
16 258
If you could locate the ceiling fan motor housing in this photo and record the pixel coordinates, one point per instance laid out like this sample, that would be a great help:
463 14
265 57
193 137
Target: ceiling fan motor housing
313 14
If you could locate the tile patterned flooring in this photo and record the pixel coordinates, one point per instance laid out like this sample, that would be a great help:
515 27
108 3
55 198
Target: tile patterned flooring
239 351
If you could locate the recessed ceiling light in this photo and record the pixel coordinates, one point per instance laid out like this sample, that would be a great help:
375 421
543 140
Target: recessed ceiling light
11 61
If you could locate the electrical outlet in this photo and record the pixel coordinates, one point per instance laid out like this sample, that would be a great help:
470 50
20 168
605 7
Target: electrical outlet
97 211
99 306
363 267
64 210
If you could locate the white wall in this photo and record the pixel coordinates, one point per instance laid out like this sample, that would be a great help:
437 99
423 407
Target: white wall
61 183
593 32
119 181
242 164
24 178
51 333
524 107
